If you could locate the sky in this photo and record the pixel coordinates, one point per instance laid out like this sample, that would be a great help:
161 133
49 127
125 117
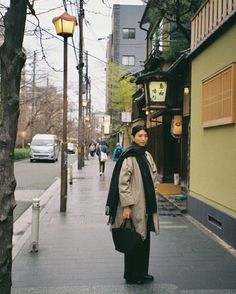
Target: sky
97 25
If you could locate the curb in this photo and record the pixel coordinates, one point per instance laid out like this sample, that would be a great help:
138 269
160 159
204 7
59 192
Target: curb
22 226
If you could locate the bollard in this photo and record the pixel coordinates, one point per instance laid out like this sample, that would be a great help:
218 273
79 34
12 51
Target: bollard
176 179
35 225
71 174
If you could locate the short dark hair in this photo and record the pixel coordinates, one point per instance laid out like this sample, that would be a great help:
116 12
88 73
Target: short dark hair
138 128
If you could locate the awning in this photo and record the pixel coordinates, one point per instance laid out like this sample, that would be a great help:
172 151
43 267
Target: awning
139 98
138 93
162 111
132 74
152 75
180 62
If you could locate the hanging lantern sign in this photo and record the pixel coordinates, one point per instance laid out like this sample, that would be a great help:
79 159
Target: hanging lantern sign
157 91
176 126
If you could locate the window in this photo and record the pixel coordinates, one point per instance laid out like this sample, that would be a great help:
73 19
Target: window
219 98
128 60
128 33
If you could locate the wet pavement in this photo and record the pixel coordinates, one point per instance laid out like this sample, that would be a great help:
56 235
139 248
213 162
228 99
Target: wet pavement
76 253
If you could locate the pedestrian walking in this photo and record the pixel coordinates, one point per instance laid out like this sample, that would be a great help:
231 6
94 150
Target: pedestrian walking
117 152
102 152
132 196
92 149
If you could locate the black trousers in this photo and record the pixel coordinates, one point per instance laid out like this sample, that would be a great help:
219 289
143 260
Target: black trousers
137 263
101 166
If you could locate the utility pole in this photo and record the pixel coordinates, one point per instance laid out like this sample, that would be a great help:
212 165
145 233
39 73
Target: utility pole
86 121
33 102
89 111
87 81
90 102
80 68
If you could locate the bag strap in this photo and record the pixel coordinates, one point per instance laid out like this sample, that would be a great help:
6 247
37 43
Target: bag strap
101 149
125 222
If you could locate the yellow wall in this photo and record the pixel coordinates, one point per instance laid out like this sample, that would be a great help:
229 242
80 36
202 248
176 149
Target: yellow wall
213 150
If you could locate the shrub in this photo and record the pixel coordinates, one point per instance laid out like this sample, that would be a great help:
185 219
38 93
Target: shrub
21 153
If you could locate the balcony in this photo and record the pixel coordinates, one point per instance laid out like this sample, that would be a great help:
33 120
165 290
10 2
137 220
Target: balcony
211 15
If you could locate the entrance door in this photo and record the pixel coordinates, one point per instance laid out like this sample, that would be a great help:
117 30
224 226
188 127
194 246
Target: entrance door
185 154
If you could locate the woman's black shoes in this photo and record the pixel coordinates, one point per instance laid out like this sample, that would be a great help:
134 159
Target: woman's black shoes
148 278
145 278
135 281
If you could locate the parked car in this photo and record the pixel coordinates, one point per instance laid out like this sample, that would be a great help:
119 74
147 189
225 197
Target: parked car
44 147
71 148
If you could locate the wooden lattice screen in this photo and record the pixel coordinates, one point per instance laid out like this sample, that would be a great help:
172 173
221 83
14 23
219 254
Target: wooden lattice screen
219 98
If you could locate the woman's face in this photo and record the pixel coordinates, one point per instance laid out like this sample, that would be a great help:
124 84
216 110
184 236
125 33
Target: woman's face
140 138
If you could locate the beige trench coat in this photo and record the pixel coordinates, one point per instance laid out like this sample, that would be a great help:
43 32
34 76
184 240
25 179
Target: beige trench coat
131 193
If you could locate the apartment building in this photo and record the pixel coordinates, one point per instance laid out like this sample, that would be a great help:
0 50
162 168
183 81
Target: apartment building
126 44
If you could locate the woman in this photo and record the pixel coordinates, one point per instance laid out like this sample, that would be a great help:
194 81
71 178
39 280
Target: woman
132 195
92 149
102 147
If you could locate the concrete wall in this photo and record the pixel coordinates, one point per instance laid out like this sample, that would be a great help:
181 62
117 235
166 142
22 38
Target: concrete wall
213 150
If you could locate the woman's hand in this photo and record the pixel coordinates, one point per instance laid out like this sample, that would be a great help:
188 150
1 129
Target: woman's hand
127 211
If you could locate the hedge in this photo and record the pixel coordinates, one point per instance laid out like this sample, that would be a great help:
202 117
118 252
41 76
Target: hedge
21 153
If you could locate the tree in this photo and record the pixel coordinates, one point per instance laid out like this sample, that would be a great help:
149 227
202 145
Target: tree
179 12
46 112
121 88
12 59
174 24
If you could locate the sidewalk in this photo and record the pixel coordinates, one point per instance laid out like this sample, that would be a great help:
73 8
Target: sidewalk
76 253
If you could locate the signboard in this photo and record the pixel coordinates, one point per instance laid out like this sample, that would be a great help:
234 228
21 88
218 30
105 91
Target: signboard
126 117
107 123
157 91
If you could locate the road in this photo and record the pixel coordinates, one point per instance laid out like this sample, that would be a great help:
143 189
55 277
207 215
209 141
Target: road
33 179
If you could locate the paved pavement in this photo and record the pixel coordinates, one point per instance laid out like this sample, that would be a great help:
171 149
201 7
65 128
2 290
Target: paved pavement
76 253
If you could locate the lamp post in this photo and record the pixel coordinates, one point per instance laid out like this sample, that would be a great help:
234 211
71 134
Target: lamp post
64 26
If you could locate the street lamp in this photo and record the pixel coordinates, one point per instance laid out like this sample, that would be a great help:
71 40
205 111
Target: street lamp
64 25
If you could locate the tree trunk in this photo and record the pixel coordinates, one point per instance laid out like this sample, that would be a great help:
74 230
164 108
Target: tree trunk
12 59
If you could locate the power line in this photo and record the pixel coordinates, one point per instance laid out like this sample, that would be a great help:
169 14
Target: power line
97 12
103 61
106 4
73 42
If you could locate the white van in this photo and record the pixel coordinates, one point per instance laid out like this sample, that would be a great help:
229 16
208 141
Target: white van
44 147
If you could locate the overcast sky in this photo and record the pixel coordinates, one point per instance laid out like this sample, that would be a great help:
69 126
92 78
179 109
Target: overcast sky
97 25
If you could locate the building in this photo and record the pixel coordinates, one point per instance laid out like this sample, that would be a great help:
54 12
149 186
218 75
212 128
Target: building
199 88
98 123
162 101
126 44
212 188
128 40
